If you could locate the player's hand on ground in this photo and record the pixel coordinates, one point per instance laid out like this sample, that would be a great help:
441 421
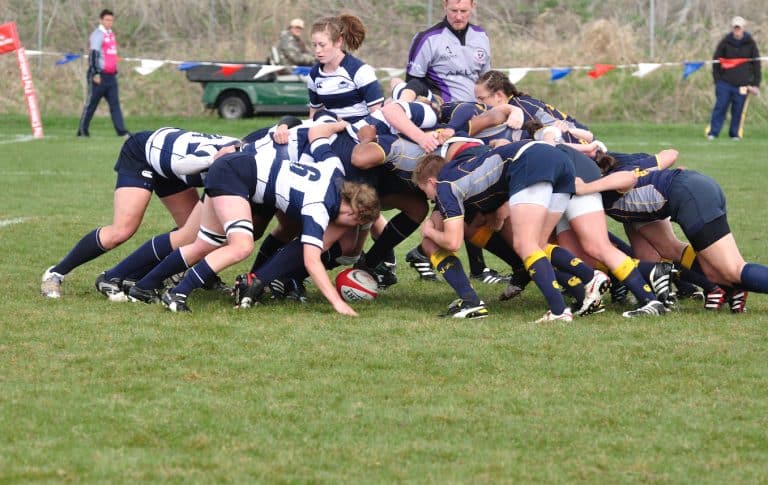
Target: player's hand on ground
344 309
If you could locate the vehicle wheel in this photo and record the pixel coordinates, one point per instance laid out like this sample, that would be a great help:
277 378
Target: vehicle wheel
233 106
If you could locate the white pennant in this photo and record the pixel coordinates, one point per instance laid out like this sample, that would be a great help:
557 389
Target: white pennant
516 74
393 71
266 70
645 68
148 66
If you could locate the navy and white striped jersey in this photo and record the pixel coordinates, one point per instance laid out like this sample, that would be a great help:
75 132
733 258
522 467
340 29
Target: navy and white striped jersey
420 114
306 192
449 65
348 92
183 155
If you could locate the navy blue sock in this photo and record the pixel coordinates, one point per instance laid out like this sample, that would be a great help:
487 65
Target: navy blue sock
543 275
195 278
172 264
269 247
497 246
288 260
564 260
572 285
397 229
475 258
87 249
696 278
754 277
619 243
146 256
453 272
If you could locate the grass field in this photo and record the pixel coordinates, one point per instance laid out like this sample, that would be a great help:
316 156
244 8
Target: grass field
98 392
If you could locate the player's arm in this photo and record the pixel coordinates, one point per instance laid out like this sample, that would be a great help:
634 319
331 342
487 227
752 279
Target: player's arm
448 235
395 115
319 275
622 181
367 155
666 158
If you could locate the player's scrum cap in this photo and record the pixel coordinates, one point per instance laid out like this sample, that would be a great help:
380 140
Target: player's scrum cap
297 23
738 22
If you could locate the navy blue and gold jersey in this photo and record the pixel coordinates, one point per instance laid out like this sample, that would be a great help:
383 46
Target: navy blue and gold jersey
475 181
647 200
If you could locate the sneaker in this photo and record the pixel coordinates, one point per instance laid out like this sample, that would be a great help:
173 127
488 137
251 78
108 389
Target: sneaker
288 289
461 309
175 302
620 294
652 308
137 294
735 138
111 288
174 280
83 133
421 264
737 300
711 137
51 284
216 284
512 290
247 290
715 299
687 291
490 277
661 279
383 272
566 316
594 290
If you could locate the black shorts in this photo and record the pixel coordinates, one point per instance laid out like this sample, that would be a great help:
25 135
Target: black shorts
697 204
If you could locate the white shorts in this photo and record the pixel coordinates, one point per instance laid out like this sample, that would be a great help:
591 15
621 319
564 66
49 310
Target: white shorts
541 194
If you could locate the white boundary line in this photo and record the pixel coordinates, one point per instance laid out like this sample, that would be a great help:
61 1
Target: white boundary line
10 222
19 139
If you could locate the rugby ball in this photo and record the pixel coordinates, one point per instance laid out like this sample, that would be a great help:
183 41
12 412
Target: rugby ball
356 285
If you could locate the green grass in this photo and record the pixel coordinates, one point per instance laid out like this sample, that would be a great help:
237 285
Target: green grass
92 391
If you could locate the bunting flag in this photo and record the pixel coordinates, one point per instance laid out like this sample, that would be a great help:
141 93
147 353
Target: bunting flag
68 57
559 72
229 69
516 74
148 66
600 70
392 71
645 68
185 66
690 68
266 70
302 70
731 63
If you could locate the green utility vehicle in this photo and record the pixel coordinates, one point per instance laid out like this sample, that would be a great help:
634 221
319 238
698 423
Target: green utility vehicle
241 95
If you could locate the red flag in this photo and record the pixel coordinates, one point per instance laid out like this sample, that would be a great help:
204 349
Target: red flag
731 63
600 69
9 38
229 69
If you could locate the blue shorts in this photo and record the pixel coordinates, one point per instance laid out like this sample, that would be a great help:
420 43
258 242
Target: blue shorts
542 163
232 174
697 203
133 170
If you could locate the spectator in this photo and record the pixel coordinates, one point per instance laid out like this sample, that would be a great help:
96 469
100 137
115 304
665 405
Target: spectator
102 76
734 82
291 48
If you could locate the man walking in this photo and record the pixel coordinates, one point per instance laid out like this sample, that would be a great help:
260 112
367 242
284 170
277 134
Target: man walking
102 76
